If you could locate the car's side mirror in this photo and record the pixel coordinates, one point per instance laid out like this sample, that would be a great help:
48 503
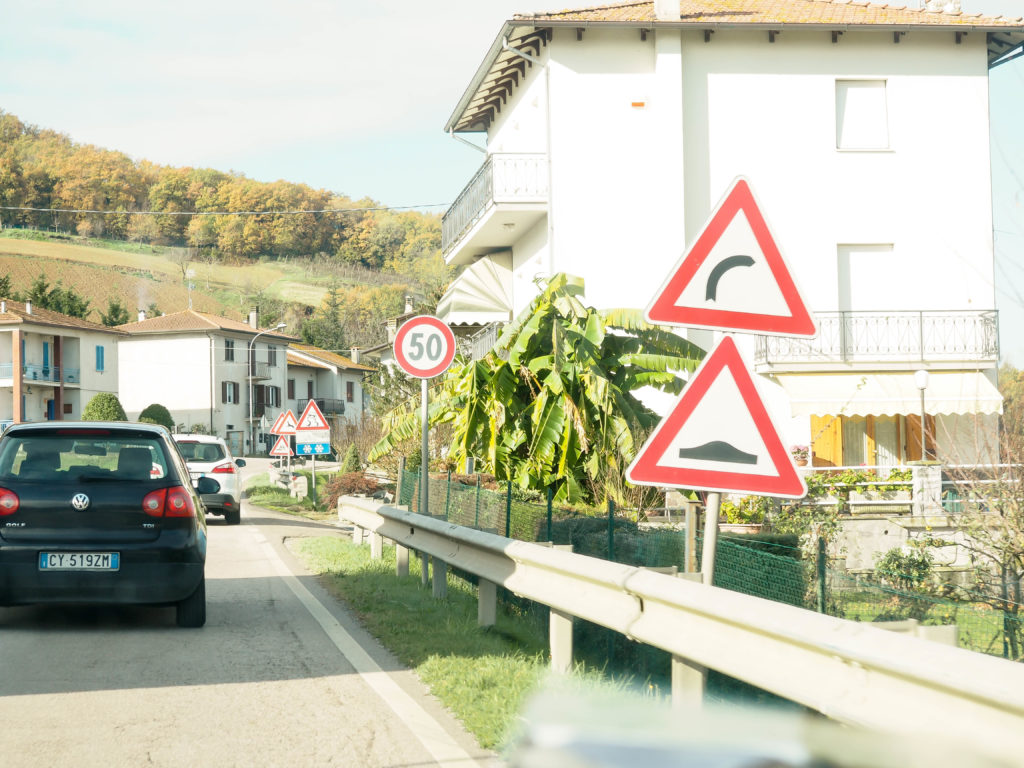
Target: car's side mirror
239 463
207 485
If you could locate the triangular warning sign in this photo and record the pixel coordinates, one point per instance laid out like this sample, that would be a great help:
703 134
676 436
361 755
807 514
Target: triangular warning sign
312 418
282 447
734 277
285 424
719 436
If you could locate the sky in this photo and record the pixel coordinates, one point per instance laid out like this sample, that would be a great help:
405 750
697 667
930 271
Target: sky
342 95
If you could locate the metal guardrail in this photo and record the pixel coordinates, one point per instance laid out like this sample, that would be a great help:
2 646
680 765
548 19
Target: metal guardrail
503 178
889 336
849 671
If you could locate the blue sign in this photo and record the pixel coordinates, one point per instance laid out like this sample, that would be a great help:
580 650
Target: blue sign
311 449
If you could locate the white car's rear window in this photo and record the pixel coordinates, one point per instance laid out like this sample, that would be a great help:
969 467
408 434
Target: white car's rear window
201 453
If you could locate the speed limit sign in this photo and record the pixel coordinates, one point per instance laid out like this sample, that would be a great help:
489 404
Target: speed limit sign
424 346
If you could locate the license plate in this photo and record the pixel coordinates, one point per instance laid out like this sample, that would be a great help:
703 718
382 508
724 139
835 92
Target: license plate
79 561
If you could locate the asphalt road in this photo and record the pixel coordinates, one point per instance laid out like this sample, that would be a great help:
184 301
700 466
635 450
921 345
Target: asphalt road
280 675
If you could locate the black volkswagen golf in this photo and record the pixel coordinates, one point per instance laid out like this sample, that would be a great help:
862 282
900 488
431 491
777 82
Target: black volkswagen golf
100 513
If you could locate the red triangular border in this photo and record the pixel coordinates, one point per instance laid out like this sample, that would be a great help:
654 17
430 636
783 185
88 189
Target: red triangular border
311 406
663 310
287 445
645 469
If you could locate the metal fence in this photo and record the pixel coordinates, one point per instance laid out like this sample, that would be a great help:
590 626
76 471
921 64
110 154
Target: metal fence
774 568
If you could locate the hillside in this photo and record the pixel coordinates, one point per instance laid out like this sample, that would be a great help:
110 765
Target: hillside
144 277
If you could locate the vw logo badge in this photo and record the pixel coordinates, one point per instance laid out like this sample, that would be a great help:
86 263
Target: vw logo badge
80 501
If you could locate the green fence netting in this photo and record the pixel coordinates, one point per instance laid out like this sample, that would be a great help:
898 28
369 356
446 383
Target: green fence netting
774 568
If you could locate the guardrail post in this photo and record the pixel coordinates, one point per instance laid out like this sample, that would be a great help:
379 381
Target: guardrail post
376 546
401 560
688 683
560 639
486 603
440 585
357 535
424 568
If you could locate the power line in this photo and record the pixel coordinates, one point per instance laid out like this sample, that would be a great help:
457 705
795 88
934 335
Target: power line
222 213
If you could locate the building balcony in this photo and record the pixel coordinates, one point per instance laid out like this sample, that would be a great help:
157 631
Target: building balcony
327 406
258 370
44 374
886 341
505 198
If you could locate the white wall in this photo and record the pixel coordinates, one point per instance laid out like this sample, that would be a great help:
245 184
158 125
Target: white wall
766 111
173 371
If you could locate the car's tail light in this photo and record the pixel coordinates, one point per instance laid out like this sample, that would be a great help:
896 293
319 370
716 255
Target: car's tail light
222 469
169 502
9 502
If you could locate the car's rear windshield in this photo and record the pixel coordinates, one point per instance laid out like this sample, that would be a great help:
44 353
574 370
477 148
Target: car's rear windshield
70 458
197 452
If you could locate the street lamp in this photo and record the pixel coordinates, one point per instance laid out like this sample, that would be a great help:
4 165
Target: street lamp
921 380
250 363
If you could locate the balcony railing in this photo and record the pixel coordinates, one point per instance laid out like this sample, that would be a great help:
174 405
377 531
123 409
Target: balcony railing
259 370
42 373
477 346
503 178
856 337
326 406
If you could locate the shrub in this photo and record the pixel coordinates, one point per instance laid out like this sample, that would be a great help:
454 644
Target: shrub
157 414
350 484
104 407
351 462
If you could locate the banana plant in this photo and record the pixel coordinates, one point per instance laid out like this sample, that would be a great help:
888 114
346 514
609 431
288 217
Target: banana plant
553 404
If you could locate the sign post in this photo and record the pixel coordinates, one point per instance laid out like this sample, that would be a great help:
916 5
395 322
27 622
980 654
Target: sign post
732 278
312 437
424 347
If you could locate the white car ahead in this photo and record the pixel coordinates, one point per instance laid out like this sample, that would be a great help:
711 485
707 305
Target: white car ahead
209 456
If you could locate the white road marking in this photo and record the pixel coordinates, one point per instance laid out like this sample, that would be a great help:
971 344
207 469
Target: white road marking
425 728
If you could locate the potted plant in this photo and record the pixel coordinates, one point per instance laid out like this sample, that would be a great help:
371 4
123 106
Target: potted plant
800 454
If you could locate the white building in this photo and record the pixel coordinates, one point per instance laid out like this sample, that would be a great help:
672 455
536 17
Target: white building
334 381
194 364
611 133
51 364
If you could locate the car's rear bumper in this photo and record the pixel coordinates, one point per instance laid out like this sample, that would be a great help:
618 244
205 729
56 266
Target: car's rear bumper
218 503
149 575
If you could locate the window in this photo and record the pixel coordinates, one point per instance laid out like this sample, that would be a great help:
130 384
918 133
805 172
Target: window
271 356
309 390
291 389
99 358
274 397
859 287
229 392
862 116
350 392
229 350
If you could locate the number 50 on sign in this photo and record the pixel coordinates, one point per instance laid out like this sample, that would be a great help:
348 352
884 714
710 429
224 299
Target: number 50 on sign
424 347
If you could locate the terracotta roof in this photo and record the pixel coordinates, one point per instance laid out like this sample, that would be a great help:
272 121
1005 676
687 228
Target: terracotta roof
831 12
331 358
294 359
191 320
503 70
17 313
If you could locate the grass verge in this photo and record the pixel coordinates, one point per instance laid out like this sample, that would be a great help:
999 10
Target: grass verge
483 676
260 492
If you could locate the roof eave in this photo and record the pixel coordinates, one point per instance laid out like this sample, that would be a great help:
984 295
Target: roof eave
488 61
